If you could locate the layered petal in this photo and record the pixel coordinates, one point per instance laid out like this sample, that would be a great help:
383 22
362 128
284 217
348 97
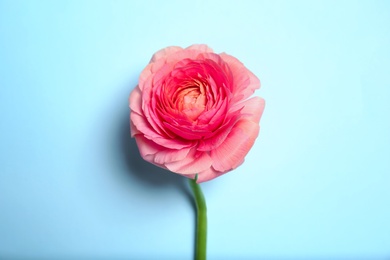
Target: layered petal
135 100
194 162
171 155
244 81
142 125
202 48
240 140
251 109
146 147
147 74
208 175
133 129
163 53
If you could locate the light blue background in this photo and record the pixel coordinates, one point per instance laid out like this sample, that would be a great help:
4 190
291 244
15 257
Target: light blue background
314 186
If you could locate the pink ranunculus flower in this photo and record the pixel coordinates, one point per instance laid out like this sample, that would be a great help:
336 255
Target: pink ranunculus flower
190 112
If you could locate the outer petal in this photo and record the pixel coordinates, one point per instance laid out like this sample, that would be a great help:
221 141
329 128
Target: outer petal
194 162
143 126
147 147
212 142
232 152
191 52
148 73
133 130
173 143
219 136
171 155
251 109
165 52
245 82
135 100
140 125
158 154
200 47
208 174
182 55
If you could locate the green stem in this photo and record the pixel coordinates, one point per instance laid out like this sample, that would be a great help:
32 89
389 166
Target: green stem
201 220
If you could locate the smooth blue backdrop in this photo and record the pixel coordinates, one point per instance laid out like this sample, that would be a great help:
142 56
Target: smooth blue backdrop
314 186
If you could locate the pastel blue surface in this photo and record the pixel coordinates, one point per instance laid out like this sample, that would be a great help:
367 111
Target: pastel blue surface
314 186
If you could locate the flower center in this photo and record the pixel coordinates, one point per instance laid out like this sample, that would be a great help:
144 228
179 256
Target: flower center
191 99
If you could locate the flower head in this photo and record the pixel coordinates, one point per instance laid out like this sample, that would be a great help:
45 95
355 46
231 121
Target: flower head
190 111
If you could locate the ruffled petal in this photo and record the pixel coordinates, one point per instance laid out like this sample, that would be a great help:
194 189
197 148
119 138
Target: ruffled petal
143 126
147 148
251 109
146 76
216 140
135 100
191 52
171 155
202 48
194 162
231 153
208 174
245 82
133 130
140 125
173 143
165 52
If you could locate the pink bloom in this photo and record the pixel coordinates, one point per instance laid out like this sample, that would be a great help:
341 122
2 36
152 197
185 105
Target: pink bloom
190 112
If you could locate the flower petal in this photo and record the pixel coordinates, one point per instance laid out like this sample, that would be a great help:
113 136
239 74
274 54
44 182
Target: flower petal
146 77
245 82
173 143
165 52
251 109
171 155
133 130
140 125
218 137
208 174
143 126
194 162
135 100
146 147
231 153
200 47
